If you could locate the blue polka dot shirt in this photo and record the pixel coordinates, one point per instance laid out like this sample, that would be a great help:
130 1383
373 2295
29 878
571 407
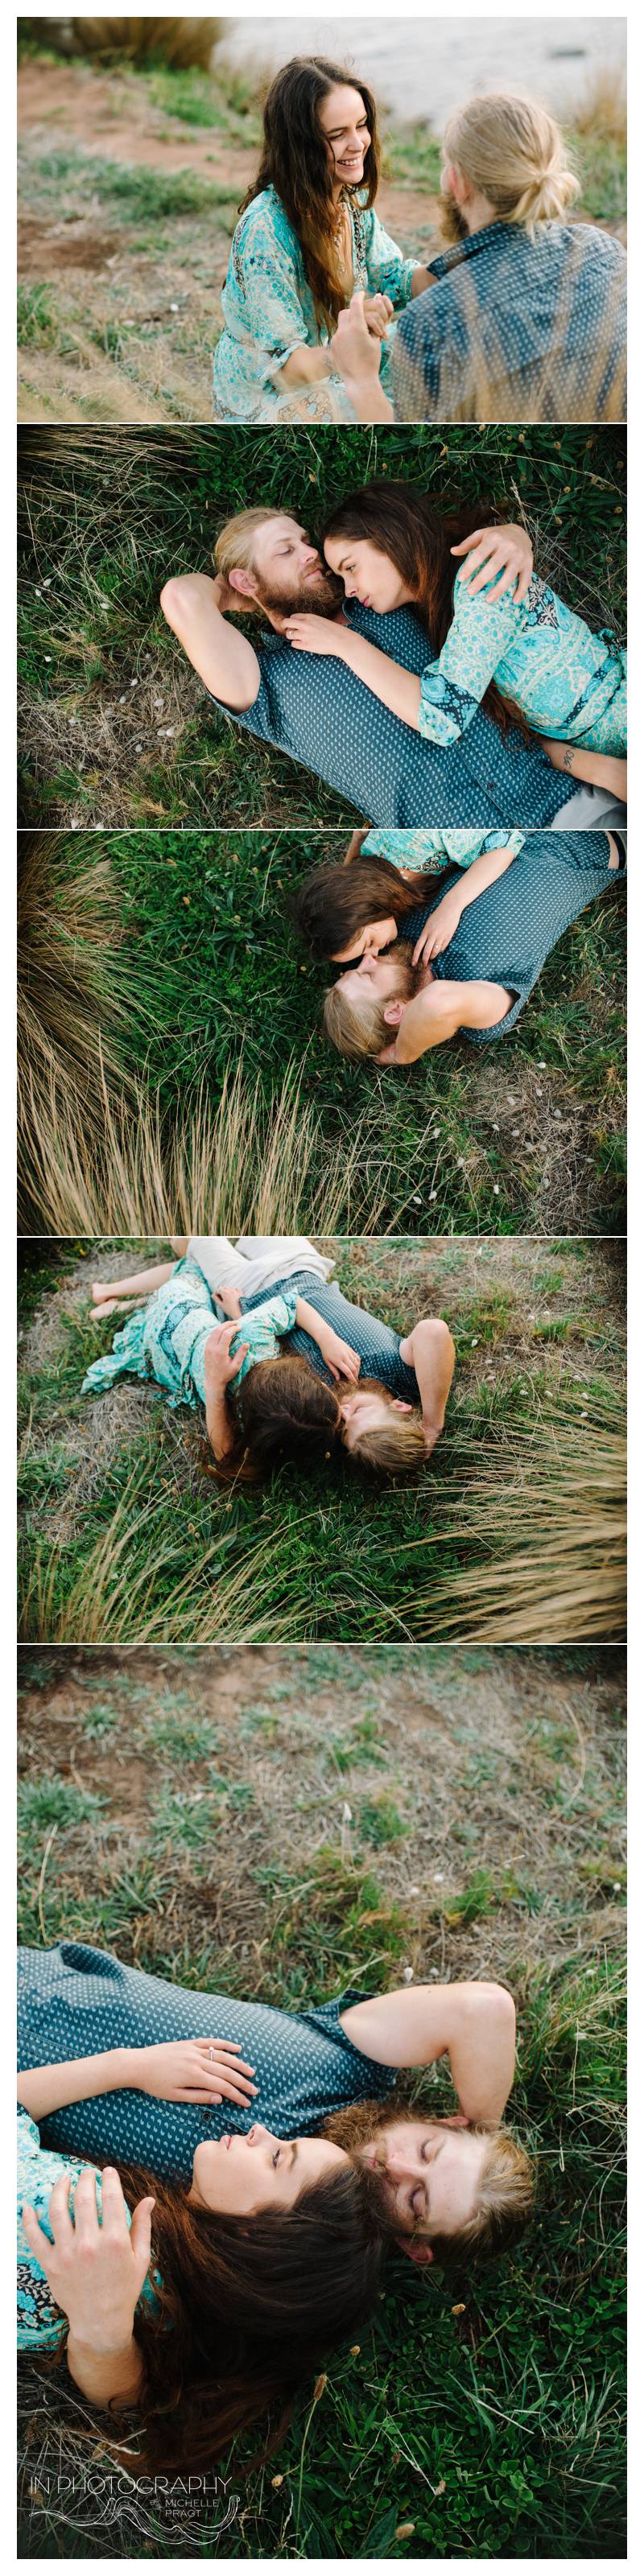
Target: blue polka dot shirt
506 934
517 329
313 707
74 2001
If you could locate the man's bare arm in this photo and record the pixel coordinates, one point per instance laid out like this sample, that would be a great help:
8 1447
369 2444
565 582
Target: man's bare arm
473 2024
224 660
429 1350
440 1009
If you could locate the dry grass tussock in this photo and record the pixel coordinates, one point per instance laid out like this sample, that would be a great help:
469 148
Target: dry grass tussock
70 1015
246 1166
182 43
601 114
544 1527
541 1525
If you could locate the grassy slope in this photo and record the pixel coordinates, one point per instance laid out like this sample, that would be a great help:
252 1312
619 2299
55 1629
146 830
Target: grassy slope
479 2417
211 971
118 319
115 728
518 1520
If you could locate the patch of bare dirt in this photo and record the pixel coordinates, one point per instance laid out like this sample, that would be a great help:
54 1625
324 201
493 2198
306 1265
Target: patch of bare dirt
501 1763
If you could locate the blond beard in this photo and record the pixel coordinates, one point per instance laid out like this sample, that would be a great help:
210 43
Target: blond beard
450 223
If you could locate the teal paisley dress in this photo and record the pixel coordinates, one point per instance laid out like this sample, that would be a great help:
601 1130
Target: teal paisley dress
166 1340
567 683
436 848
269 312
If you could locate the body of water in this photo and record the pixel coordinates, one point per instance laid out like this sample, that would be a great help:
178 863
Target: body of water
423 67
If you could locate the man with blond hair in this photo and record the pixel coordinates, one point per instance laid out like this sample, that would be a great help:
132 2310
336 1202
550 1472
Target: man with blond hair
314 707
525 315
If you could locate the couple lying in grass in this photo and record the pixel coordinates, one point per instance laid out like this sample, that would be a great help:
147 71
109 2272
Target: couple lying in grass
521 317
417 664
280 1365
207 2189
427 959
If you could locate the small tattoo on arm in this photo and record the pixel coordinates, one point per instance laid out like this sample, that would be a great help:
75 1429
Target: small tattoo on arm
567 759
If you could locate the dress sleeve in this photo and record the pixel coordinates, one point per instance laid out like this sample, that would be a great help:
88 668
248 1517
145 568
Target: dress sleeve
453 686
29 2155
388 272
278 1312
266 272
428 848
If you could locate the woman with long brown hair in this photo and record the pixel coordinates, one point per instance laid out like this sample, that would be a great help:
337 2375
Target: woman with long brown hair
518 652
202 2307
229 2257
264 1406
308 235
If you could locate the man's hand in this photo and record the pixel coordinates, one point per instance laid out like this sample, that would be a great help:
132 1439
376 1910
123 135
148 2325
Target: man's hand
219 1367
378 313
499 555
310 634
194 2070
95 2270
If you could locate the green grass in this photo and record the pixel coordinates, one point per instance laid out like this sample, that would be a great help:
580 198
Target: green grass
518 1520
209 974
481 2416
115 729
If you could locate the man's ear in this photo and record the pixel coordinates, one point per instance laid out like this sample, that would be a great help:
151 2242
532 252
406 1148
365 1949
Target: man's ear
243 581
392 1013
459 187
416 2247
398 1405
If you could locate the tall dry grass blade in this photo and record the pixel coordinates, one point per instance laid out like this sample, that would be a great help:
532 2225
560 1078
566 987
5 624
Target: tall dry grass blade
247 1166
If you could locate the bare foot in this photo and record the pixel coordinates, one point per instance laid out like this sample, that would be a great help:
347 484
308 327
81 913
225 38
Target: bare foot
114 1306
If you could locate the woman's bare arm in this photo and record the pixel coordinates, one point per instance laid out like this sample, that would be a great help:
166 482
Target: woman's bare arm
44 2089
596 768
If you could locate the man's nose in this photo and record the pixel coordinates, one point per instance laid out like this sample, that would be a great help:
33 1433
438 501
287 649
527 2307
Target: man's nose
401 2167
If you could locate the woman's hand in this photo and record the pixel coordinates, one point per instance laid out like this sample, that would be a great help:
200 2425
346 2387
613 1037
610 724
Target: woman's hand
340 1359
378 313
354 348
194 2070
230 1300
95 2270
219 1367
312 634
499 555
439 929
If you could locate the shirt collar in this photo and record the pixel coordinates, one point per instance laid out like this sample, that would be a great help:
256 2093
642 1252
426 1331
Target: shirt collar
490 234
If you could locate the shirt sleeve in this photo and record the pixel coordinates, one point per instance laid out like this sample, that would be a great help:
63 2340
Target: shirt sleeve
388 272
267 278
260 717
452 687
414 362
